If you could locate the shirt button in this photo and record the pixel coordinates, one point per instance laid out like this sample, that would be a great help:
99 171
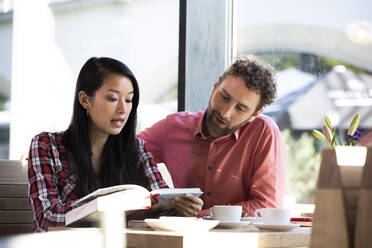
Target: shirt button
208 193
209 167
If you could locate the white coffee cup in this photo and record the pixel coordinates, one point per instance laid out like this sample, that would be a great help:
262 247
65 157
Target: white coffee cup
226 213
273 216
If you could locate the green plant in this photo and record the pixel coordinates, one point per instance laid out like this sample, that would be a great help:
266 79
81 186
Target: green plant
303 161
329 135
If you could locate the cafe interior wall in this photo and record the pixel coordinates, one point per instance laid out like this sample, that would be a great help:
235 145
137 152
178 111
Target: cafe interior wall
47 42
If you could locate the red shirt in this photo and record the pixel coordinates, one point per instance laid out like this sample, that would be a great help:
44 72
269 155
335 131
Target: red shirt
244 168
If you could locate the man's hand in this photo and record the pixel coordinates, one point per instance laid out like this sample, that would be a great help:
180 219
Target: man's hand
188 205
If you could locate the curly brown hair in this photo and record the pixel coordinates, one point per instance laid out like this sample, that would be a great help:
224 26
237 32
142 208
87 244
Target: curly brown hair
258 76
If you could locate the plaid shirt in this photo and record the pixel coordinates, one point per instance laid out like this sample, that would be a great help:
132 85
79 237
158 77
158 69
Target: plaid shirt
52 180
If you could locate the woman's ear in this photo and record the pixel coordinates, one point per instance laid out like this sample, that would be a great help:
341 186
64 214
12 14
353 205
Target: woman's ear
84 99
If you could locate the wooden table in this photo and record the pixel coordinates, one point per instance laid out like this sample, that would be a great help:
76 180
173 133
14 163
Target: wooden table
245 237
146 237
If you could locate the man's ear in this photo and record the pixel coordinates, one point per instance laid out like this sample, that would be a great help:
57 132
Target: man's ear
258 112
84 99
215 85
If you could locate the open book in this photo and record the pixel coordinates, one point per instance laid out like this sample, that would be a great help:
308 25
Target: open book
127 197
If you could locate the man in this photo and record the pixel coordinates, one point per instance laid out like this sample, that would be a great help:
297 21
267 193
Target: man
231 151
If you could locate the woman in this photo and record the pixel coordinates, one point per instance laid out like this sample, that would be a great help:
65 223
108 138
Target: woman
99 149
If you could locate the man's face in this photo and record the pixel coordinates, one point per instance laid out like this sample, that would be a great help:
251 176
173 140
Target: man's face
231 106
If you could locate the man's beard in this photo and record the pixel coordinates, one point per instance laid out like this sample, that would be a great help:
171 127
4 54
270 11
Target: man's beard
213 128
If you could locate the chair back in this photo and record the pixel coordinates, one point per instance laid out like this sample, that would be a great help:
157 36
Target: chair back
15 211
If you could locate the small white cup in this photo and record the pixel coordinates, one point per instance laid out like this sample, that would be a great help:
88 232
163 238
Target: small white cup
273 216
226 213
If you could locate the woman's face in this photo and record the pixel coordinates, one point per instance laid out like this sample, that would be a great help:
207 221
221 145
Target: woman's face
110 106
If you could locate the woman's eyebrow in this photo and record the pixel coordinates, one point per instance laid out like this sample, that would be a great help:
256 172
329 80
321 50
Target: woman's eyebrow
115 91
118 92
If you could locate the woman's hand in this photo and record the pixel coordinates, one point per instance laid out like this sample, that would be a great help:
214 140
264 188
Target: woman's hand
188 205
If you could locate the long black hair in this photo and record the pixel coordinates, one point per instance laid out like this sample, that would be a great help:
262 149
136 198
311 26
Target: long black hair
120 159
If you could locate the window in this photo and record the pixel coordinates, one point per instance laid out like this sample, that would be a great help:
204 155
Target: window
6 25
321 52
53 40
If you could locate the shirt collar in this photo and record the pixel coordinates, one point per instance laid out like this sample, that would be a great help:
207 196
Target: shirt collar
198 131
199 126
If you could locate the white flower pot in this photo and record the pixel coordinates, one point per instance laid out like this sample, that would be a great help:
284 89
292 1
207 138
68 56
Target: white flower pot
351 155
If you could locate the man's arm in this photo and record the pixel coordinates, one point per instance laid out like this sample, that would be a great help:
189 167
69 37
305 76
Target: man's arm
155 138
267 185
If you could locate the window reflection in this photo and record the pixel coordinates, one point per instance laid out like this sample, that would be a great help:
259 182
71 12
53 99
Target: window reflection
321 53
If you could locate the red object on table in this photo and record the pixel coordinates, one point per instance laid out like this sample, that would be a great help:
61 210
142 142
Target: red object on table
302 219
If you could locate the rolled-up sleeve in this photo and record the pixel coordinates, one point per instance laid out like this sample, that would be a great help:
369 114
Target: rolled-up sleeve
44 196
152 173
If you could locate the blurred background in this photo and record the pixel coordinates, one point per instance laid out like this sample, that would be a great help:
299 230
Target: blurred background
321 50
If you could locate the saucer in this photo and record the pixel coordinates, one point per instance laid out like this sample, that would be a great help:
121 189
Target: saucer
181 224
249 219
233 224
285 227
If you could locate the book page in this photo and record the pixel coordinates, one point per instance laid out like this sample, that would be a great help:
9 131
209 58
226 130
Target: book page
106 191
125 200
